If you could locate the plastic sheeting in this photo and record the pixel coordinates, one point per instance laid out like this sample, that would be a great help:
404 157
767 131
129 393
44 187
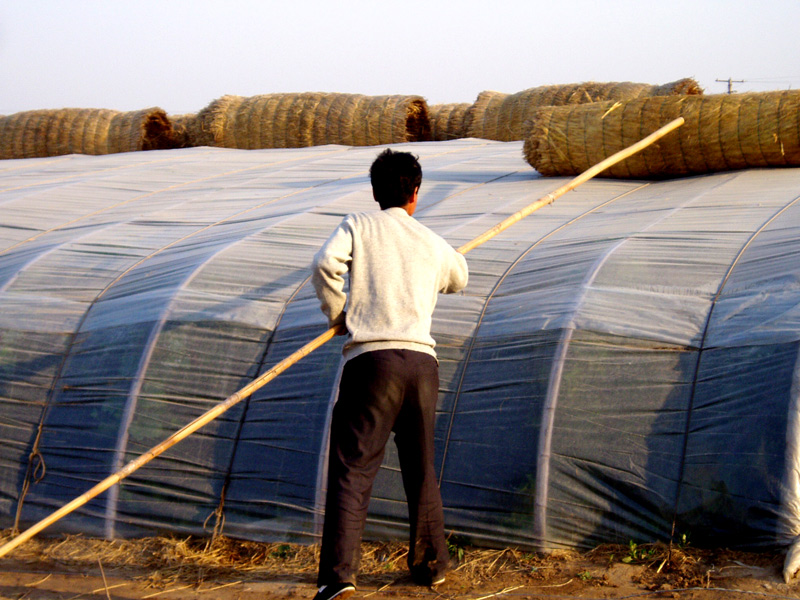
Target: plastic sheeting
621 362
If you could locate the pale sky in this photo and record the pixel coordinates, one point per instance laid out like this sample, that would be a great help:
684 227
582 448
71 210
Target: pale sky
180 55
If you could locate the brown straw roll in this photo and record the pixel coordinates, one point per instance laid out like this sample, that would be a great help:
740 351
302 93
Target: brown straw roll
186 130
312 109
213 120
503 117
6 137
401 118
95 132
329 111
147 129
268 121
720 133
681 87
312 118
76 132
485 107
280 122
447 121
381 125
368 109
413 123
236 127
53 132
548 95
33 139
390 113
345 136
268 105
239 125
56 131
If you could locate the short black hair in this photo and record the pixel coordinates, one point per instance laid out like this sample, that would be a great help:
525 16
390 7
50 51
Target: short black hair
394 177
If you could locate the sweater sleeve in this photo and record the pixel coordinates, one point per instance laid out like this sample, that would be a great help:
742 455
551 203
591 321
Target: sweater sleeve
455 272
330 264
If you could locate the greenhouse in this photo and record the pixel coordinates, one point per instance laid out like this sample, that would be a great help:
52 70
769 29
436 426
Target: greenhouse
623 364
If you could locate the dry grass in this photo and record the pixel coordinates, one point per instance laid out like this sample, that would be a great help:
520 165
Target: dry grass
504 117
170 560
721 132
156 566
166 560
162 562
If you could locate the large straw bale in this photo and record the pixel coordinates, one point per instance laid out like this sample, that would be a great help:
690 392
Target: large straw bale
721 132
447 121
147 129
53 132
503 117
481 117
312 118
215 119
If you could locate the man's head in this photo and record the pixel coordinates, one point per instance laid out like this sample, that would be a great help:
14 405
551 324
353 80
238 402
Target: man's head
395 177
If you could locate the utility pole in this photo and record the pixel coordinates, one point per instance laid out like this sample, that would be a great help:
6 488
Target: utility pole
730 83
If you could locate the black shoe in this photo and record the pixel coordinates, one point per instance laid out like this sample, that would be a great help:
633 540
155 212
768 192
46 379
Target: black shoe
422 576
340 591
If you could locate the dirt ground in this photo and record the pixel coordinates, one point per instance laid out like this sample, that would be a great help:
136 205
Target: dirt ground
71 567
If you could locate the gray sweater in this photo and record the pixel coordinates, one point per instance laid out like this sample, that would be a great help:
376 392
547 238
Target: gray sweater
396 267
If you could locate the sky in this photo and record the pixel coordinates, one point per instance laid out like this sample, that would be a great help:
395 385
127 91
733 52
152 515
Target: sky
180 55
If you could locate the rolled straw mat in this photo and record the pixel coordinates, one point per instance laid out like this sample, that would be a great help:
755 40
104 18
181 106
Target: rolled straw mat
447 121
502 117
296 120
721 132
186 130
52 132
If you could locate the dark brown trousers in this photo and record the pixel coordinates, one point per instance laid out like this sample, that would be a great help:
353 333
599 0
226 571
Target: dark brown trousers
381 392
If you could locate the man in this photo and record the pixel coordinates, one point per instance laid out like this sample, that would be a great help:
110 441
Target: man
390 381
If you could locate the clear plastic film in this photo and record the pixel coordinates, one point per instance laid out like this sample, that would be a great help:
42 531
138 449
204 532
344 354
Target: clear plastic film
622 366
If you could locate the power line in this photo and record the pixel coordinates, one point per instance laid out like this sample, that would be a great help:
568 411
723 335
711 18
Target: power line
730 83
789 78
788 81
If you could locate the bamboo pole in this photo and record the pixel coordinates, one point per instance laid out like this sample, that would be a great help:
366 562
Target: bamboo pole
287 362
176 437
572 184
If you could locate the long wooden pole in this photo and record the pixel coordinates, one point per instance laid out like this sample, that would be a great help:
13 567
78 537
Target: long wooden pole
572 184
287 362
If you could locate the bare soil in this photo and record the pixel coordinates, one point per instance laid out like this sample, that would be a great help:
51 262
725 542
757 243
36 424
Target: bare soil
72 567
